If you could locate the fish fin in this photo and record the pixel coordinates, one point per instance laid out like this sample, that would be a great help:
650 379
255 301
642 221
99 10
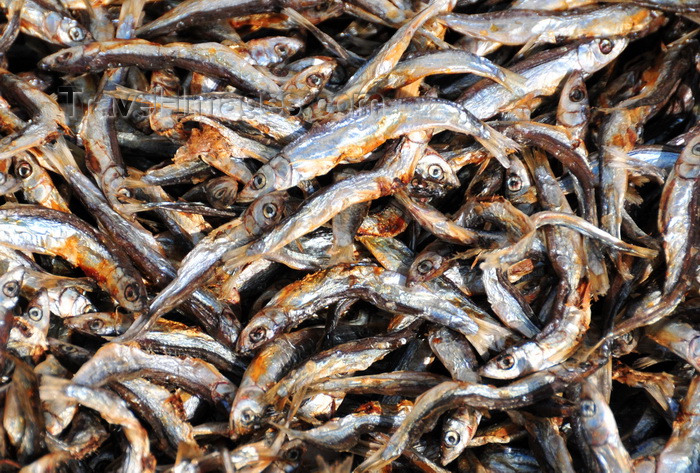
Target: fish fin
341 254
60 157
512 81
645 362
490 337
527 47
125 93
238 257
684 38
130 17
498 145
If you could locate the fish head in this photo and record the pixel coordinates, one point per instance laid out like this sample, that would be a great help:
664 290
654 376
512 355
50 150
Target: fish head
507 365
425 267
131 294
274 49
518 184
433 176
10 285
261 329
69 32
262 182
264 213
305 86
594 55
456 434
594 414
95 323
221 192
73 60
247 411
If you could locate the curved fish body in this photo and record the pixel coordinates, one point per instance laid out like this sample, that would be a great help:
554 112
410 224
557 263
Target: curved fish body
344 359
115 360
679 214
47 116
681 453
268 366
679 336
212 59
201 262
394 172
54 26
622 128
518 27
386 289
344 433
223 106
51 232
549 347
213 314
543 73
191 12
114 410
349 139
453 394
452 61
600 431
679 211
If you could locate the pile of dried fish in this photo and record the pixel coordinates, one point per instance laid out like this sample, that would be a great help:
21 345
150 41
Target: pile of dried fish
307 235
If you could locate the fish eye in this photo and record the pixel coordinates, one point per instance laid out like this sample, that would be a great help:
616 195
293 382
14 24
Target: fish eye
11 288
451 438
95 325
24 170
281 49
696 149
257 335
64 57
67 348
124 193
258 181
76 33
248 416
606 46
435 171
587 408
269 211
424 266
505 362
514 183
314 80
293 454
139 114
577 94
131 292
35 314
120 310
220 193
